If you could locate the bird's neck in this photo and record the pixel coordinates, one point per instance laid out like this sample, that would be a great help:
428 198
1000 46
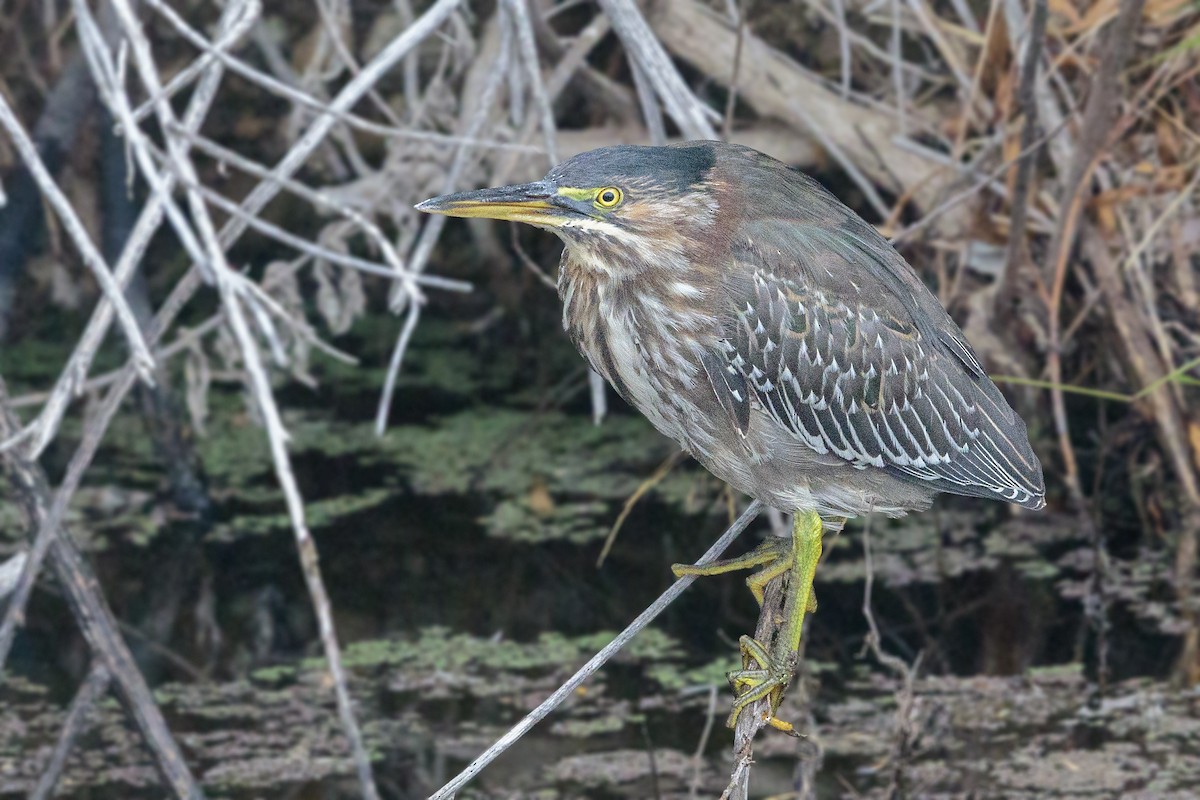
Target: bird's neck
647 338
654 320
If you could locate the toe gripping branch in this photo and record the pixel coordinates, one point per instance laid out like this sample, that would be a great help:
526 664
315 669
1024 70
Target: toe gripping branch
768 668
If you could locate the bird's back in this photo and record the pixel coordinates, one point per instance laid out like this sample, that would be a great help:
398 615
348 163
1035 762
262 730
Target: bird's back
839 343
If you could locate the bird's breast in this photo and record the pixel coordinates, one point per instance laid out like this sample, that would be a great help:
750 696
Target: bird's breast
648 351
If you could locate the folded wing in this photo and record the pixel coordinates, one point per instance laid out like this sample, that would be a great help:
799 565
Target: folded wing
867 367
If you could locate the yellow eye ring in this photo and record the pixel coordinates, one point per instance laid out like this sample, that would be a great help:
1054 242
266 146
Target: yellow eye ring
608 197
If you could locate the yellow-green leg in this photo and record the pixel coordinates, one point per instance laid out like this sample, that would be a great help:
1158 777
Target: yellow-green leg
773 555
767 670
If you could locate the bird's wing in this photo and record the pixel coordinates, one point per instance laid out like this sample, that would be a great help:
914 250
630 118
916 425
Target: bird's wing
862 362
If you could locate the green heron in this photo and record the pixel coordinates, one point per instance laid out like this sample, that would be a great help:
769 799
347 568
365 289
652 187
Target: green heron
780 339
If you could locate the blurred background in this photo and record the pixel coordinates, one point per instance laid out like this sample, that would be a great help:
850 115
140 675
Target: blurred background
344 483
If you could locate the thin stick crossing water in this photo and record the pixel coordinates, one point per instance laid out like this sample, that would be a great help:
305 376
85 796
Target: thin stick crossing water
611 649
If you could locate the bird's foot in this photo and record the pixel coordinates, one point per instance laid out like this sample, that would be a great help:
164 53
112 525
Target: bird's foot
769 680
767 669
774 556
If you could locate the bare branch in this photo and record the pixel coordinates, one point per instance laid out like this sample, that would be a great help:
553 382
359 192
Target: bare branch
94 685
519 14
693 117
259 385
109 284
43 430
611 649
434 225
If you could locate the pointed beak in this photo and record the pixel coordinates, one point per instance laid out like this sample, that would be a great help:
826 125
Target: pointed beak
532 203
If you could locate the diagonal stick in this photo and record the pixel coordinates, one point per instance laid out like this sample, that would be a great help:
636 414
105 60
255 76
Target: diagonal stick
611 649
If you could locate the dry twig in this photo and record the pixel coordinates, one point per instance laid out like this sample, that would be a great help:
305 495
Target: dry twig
611 649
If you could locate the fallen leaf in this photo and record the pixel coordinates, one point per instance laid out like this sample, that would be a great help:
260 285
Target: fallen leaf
540 500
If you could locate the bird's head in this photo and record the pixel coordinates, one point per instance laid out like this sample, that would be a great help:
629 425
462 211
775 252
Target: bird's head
614 200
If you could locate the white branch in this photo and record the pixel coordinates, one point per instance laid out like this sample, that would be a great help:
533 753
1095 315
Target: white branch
112 289
587 670
43 429
258 380
693 117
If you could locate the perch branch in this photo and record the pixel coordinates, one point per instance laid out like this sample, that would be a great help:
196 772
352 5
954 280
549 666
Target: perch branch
756 716
587 670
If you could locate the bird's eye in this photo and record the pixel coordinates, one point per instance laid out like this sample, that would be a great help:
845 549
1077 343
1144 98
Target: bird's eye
608 198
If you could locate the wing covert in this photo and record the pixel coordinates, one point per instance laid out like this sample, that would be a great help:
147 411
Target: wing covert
857 368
